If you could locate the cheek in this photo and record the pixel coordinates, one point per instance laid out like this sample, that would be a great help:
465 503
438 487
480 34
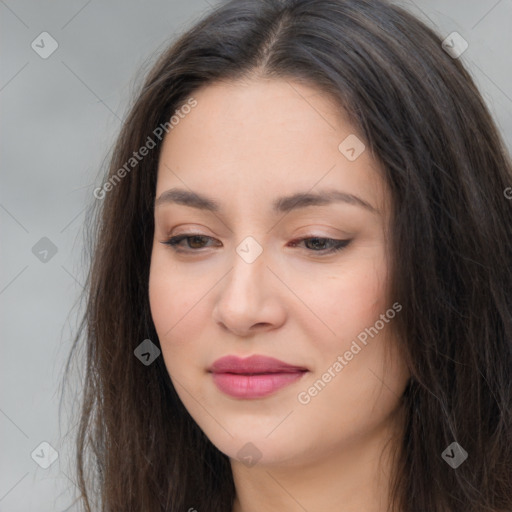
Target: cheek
170 299
179 309
353 299
364 340
161 297
172 323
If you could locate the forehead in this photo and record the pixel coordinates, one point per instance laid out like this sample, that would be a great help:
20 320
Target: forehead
252 141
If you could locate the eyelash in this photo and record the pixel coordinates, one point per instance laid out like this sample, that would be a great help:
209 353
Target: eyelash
339 245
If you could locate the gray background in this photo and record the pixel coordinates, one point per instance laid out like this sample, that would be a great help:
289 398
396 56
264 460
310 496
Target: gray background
59 117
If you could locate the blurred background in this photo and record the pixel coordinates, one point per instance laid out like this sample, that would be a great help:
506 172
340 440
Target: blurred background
68 71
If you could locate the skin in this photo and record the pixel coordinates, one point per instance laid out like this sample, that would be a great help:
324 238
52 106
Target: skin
244 144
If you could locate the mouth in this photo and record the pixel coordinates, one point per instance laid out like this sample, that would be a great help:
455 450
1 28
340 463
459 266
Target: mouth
253 377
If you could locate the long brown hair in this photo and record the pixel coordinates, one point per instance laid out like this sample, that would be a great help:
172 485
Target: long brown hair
138 449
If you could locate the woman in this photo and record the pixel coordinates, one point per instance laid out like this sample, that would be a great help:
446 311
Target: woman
300 291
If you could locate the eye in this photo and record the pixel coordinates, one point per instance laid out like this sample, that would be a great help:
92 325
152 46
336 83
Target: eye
333 245
193 241
319 244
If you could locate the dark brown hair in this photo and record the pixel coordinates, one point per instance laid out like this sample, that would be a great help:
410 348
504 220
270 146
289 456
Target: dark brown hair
446 165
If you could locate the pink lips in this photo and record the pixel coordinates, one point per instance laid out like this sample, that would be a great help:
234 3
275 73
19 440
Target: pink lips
253 377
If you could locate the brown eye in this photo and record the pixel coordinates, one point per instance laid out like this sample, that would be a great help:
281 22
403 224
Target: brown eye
193 241
323 245
318 245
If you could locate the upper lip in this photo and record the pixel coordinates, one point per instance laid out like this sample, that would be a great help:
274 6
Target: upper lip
253 364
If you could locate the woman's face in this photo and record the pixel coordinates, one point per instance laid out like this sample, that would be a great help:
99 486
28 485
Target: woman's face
247 284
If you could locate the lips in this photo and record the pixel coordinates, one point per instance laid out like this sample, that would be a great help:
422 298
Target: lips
253 365
253 377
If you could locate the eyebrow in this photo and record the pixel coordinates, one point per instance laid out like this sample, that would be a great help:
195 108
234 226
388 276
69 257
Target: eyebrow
283 204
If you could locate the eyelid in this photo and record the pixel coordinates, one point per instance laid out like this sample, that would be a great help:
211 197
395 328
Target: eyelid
338 244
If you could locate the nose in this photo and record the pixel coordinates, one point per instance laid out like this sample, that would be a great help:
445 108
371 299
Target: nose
250 298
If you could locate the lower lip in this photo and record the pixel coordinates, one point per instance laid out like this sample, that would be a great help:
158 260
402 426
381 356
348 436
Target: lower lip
254 386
